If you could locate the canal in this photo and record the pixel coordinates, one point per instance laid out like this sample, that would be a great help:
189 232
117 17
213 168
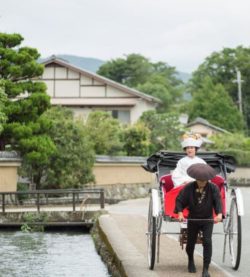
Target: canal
49 254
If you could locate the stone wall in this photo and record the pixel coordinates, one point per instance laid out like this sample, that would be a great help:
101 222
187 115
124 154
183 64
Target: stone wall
105 250
117 192
241 177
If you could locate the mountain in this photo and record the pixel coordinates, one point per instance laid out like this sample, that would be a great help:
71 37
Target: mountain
93 64
89 64
184 76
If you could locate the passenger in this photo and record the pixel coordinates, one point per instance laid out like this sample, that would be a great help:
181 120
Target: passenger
190 144
201 197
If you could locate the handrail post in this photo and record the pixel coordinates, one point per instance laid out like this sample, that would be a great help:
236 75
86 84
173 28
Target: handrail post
74 202
102 199
38 201
3 202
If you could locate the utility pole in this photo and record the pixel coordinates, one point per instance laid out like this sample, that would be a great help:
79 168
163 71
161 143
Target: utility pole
239 81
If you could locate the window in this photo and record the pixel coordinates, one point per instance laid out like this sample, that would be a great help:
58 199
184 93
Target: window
121 115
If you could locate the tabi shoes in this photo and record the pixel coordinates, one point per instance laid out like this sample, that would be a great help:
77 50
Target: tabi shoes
191 267
205 273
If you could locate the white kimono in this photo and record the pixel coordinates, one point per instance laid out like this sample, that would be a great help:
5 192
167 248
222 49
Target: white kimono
179 175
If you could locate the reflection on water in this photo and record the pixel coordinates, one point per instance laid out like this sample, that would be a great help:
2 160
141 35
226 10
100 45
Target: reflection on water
49 254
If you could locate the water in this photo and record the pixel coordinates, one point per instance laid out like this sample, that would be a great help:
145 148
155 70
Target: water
49 254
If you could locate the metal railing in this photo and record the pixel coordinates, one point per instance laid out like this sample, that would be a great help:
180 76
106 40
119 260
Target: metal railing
43 197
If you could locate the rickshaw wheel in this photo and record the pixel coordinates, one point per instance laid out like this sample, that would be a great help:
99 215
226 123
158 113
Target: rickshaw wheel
151 236
234 232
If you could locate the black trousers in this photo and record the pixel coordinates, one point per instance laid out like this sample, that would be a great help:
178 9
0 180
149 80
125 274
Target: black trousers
193 229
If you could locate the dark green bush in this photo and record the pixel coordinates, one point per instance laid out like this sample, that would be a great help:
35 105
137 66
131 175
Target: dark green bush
242 157
22 187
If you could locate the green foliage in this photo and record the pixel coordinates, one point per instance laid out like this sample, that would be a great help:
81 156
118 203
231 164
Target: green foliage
105 133
228 141
236 145
159 87
33 222
3 100
242 157
221 68
26 228
214 104
22 188
165 130
131 71
26 101
156 79
136 140
70 166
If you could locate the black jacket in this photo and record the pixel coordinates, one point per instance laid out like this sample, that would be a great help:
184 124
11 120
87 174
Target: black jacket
188 198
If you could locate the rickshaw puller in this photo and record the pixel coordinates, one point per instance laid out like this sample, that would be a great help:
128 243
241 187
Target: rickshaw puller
200 197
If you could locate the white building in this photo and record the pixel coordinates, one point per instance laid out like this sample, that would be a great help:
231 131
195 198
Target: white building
84 91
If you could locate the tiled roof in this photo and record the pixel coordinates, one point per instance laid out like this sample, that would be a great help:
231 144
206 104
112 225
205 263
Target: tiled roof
9 156
202 121
119 159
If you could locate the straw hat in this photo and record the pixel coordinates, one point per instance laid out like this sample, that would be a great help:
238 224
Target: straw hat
201 171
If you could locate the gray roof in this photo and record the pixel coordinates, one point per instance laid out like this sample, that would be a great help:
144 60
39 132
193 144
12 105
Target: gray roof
134 92
202 121
120 159
9 156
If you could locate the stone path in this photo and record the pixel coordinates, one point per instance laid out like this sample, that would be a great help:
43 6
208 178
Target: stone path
125 228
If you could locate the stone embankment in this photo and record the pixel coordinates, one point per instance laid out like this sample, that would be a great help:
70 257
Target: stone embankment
49 218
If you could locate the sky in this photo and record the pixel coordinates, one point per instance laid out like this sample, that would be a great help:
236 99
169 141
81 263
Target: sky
181 33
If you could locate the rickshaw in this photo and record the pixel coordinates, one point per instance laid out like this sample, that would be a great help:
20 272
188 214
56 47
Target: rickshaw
162 203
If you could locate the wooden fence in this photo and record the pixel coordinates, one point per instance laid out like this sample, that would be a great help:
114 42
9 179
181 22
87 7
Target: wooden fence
51 197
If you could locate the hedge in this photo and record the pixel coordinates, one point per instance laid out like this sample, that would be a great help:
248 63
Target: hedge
242 157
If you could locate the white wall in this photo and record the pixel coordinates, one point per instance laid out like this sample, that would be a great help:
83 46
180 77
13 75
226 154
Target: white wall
113 92
140 107
92 91
67 88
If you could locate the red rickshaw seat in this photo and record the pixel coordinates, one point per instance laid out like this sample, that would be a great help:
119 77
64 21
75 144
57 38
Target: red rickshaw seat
167 182
170 194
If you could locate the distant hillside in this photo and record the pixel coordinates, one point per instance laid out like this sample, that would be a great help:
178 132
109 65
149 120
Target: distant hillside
89 64
93 64
184 76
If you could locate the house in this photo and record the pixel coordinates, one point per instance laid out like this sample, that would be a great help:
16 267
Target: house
83 91
204 128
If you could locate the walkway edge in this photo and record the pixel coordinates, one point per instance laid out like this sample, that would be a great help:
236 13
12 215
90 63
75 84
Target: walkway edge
127 258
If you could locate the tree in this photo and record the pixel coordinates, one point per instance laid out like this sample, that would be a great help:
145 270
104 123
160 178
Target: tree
105 133
221 68
156 79
136 140
165 130
161 87
3 100
17 68
26 101
230 141
70 166
213 103
133 70
235 144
